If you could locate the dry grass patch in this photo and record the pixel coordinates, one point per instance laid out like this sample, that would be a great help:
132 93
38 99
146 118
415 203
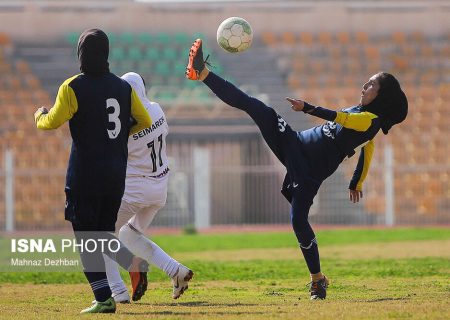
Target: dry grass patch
388 250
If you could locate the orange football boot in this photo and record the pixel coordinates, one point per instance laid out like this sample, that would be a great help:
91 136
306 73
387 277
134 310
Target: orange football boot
196 63
138 278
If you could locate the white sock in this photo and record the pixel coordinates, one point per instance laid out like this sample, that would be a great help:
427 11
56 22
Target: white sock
148 250
112 272
163 261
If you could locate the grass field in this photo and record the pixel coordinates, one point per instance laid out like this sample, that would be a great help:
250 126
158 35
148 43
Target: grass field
375 274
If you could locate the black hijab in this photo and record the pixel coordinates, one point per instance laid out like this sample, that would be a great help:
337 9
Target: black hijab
391 104
93 51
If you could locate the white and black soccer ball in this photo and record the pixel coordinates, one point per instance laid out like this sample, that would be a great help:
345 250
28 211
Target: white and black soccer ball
234 35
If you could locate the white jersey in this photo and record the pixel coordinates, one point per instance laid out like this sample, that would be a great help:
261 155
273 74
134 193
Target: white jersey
148 165
147 148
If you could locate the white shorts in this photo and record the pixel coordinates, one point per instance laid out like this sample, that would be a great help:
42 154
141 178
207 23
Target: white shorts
139 216
146 190
142 200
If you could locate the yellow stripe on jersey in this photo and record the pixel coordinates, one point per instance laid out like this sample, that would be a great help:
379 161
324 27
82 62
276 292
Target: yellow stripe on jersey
368 150
356 121
66 105
139 113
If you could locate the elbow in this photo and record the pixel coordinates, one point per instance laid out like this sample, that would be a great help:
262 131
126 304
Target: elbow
43 128
40 126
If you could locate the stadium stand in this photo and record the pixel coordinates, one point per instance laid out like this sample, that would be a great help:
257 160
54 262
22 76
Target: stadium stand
329 69
20 93
324 68
159 58
31 74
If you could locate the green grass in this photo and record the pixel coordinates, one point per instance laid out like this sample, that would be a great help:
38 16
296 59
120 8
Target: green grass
368 281
202 242
267 270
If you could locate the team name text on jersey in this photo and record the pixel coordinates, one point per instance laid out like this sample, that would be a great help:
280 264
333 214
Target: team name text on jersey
146 131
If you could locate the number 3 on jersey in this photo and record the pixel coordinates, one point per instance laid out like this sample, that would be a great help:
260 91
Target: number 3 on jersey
281 124
113 117
151 146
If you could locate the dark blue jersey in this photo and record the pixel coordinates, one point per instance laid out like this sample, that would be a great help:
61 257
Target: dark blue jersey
327 145
99 110
99 130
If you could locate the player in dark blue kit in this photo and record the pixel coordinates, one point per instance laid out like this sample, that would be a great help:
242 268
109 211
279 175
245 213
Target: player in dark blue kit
102 110
312 155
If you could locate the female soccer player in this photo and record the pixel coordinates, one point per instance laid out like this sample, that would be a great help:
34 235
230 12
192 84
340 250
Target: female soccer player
145 194
312 155
98 106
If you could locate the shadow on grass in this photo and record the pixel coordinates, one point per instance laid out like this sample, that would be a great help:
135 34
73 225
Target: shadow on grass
199 304
195 304
384 299
187 313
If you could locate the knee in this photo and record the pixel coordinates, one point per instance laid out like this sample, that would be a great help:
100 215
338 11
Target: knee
308 244
304 238
127 235
303 231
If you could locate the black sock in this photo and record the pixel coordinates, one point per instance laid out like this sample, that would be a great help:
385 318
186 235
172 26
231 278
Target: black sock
311 254
99 285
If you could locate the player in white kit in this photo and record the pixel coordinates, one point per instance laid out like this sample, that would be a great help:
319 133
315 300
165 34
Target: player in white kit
145 193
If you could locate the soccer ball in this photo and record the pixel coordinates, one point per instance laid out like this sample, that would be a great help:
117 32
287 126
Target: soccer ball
234 35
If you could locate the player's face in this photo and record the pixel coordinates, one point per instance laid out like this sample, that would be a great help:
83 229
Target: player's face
370 90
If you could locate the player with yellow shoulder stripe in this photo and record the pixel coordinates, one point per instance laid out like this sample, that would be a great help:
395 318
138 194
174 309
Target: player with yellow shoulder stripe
312 155
103 110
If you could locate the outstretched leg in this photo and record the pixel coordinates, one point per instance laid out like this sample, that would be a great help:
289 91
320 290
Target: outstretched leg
281 140
276 132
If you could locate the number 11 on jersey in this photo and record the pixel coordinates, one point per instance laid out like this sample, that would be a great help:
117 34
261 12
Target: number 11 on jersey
151 146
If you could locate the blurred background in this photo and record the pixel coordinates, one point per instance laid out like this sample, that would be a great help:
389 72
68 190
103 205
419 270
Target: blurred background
222 172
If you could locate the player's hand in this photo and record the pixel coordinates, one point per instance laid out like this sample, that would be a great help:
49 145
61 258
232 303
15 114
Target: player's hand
355 195
42 110
296 104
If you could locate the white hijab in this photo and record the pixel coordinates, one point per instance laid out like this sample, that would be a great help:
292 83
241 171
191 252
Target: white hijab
136 82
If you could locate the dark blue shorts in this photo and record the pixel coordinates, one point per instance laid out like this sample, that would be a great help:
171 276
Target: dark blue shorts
92 213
